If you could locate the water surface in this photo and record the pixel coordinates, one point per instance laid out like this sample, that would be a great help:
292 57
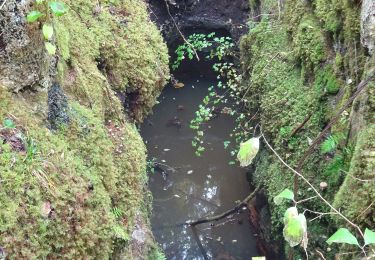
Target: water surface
194 187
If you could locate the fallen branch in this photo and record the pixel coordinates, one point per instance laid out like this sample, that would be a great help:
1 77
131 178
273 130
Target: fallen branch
196 237
226 213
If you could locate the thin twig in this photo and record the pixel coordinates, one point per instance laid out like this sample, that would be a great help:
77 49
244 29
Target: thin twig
195 235
300 126
320 254
304 200
311 186
363 212
2 5
178 29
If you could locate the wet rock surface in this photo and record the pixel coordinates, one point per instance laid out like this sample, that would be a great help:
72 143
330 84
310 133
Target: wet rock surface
57 107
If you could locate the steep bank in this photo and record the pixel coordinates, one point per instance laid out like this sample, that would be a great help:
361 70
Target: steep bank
74 185
301 62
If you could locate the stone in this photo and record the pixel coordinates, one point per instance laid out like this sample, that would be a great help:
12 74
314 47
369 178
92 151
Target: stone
57 107
368 25
139 235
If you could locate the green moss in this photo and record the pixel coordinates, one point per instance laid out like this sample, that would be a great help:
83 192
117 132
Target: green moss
309 43
131 60
60 190
327 80
320 41
274 85
355 195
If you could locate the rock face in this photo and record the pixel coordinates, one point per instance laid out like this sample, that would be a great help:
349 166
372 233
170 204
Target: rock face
57 106
22 61
368 25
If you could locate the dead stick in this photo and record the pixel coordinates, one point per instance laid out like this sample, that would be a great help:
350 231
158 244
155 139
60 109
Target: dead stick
2 5
317 140
195 235
178 29
226 213
299 127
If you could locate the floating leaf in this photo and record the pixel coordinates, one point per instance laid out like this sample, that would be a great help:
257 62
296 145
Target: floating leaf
369 237
33 16
343 235
58 8
8 123
294 230
47 31
285 194
248 151
51 49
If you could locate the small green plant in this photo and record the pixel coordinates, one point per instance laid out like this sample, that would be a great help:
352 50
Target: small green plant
54 7
8 123
150 167
31 149
330 144
220 47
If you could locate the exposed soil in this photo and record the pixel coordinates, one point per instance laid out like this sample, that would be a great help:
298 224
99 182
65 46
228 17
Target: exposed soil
225 16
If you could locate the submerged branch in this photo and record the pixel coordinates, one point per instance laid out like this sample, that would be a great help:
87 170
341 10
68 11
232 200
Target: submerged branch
226 213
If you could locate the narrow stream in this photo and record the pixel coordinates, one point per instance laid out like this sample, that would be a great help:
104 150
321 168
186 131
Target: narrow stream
194 187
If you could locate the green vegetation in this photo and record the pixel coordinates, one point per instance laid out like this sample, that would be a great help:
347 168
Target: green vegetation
80 190
296 73
58 9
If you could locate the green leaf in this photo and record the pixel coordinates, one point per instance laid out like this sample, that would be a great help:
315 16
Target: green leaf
248 151
329 145
51 49
294 230
285 194
47 31
343 235
303 221
33 16
39 1
289 214
369 237
58 8
8 123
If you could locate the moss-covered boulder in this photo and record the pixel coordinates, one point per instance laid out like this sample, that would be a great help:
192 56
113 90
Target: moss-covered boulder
73 186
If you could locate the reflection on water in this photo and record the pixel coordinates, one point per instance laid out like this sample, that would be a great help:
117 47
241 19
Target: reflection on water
193 187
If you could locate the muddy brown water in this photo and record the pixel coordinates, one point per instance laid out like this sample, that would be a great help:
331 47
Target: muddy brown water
195 187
